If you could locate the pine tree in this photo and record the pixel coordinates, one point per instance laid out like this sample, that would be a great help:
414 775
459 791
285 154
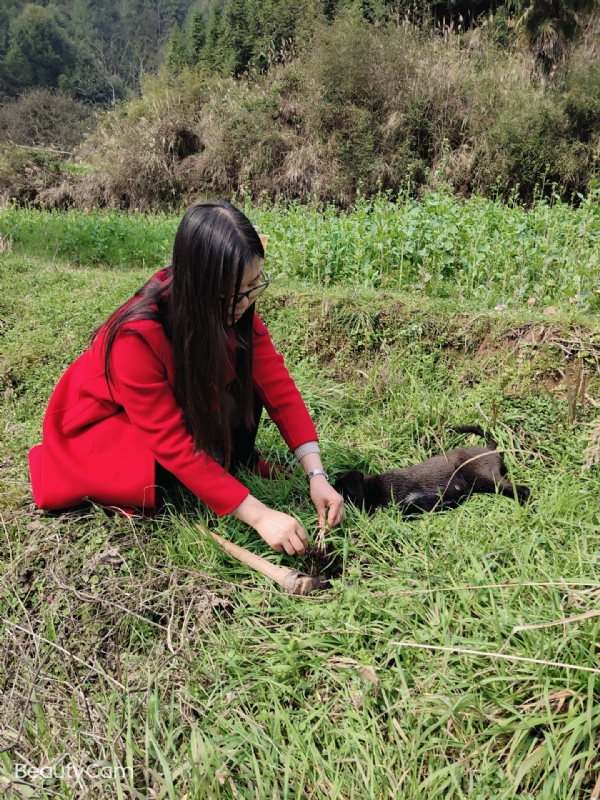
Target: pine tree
237 36
213 54
197 35
177 57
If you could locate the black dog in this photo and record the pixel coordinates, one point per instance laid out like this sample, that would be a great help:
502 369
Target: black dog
439 483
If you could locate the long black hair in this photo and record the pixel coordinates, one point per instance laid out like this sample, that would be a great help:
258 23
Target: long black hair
214 244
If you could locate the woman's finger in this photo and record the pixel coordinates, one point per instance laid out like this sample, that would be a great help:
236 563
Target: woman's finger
335 512
301 534
320 507
289 548
298 545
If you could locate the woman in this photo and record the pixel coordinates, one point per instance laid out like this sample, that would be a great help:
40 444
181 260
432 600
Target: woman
172 387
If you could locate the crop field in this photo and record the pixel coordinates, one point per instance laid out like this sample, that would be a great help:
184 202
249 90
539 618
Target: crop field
455 655
477 249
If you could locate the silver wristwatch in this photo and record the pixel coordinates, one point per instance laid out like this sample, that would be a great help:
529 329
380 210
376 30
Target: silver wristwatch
314 472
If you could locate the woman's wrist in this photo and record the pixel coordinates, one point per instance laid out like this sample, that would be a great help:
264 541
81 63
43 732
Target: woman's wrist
250 511
310 462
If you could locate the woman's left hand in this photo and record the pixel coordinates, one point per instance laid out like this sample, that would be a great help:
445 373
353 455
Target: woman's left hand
325 496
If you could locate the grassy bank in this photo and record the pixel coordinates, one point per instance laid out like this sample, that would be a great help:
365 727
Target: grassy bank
477 250
138 643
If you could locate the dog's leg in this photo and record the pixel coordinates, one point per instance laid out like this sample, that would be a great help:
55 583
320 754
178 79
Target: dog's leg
475 429
509 490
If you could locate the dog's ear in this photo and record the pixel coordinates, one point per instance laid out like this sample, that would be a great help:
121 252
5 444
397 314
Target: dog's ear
350 486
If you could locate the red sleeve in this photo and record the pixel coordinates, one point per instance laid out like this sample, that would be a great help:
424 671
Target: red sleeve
278 391
140 379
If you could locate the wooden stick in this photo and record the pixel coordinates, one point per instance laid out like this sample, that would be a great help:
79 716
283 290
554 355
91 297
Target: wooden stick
290 580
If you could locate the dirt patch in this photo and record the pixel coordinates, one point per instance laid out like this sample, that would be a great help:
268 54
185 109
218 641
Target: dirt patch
322 560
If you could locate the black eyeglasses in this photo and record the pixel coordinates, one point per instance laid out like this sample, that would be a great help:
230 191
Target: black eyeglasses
252 294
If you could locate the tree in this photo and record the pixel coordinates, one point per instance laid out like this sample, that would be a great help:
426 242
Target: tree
548 26
177 57
197 35
40 50
4 29
237 35
214 54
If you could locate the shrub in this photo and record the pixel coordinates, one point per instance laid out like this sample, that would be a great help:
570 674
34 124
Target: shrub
582 102
24 173
362 109
531 147
43 117
138 157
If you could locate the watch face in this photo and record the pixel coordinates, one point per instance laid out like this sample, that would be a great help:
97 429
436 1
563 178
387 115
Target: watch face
314 472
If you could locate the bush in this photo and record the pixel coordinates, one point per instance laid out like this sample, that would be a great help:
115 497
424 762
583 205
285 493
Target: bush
137 157
531 148
582 102
24 173
361 110
42 117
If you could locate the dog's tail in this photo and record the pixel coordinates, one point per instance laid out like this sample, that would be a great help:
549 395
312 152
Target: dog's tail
491 443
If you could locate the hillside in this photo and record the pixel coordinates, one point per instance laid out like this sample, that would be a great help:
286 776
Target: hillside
348 104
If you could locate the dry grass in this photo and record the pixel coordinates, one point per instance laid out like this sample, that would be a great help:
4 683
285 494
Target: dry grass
363 109
6 244
591 454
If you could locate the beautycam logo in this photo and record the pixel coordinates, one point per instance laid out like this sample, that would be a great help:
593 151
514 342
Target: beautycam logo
100 771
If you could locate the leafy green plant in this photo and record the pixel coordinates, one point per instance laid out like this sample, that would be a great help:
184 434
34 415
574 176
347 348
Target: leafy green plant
483 250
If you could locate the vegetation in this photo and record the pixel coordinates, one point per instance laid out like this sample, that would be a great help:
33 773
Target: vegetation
42 117
547 27
94 51
486 252
138 643
310 101
455 654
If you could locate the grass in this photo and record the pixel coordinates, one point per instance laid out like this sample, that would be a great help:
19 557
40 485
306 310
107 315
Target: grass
480 250
139 644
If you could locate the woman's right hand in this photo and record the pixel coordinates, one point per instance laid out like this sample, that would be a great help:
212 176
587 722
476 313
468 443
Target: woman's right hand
280 531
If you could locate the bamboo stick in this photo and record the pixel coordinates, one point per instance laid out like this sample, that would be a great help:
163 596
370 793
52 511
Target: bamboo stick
290 580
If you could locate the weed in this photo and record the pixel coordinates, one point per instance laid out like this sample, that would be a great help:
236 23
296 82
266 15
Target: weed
139 644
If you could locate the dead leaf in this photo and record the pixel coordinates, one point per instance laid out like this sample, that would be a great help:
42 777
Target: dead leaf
342 661
556 697
25 578
369 675
107 558
205 605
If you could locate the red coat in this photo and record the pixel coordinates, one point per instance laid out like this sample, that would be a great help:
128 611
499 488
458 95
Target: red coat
102 448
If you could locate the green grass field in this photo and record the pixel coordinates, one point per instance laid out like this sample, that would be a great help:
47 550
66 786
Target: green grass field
138 644
475 250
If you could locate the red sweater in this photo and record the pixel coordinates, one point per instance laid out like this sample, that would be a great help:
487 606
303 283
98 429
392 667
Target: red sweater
102 448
